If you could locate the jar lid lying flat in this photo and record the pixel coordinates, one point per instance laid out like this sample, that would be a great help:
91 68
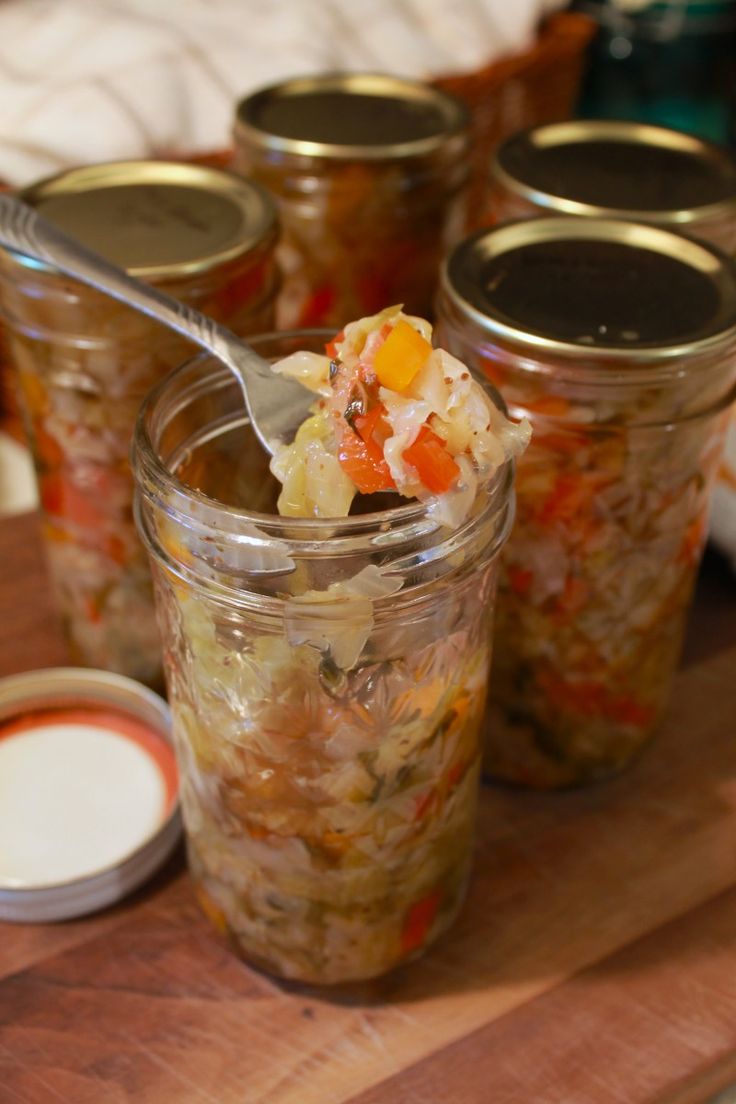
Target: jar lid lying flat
88 791
157 219
352 116
573 287
611 168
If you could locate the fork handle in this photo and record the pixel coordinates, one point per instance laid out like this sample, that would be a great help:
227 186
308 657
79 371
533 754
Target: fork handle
24 231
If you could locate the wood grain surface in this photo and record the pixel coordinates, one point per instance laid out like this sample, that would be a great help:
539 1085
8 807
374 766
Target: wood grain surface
594 963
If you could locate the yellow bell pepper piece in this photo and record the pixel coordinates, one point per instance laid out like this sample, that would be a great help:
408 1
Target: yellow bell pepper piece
401 356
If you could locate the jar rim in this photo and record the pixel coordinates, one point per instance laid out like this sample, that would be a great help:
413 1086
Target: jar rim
451 112
300 538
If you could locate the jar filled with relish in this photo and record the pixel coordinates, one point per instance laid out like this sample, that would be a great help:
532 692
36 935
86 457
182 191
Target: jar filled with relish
83 363
600 168
369 173
327 678
617 340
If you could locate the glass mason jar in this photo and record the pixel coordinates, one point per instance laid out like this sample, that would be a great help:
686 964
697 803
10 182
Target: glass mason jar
618 341
369 173
327 681
663 61
83 363
609 169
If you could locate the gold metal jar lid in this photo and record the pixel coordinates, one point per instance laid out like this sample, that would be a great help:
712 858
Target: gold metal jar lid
593 288
158 219
356 116
611 169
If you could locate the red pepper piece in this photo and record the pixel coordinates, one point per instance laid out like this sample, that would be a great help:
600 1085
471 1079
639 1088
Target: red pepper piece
331 346
364 463
315 310
418 920
372 427
520 579
433 464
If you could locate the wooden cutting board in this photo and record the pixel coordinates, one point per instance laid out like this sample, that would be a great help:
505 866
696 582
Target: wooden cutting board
595 960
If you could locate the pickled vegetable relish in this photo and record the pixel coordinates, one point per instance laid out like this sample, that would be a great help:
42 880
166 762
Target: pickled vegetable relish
330 815
594 591
394 414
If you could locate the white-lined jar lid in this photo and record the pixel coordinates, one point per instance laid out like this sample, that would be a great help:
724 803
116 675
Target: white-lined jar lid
88 791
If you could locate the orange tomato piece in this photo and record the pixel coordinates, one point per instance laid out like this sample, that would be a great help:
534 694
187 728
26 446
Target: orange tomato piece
401 356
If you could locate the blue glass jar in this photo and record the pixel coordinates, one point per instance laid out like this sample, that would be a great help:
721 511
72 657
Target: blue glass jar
670 62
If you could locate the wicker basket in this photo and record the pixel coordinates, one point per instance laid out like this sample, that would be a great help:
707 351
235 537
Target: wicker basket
538 86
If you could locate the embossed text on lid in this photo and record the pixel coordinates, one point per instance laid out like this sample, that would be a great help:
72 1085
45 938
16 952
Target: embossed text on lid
157 218
617 167
356 115
570 285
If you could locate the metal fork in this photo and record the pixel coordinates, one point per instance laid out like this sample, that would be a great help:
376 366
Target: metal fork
276 405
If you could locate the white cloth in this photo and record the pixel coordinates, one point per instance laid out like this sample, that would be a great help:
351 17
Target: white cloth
94 80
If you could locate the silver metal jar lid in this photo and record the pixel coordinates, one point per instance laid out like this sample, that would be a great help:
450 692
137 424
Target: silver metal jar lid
158 219
609 168
362 116
574 287
88 791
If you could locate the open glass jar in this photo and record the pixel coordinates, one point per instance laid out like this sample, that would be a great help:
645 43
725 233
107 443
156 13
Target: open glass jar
618 342
327 682
369 173
83 363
